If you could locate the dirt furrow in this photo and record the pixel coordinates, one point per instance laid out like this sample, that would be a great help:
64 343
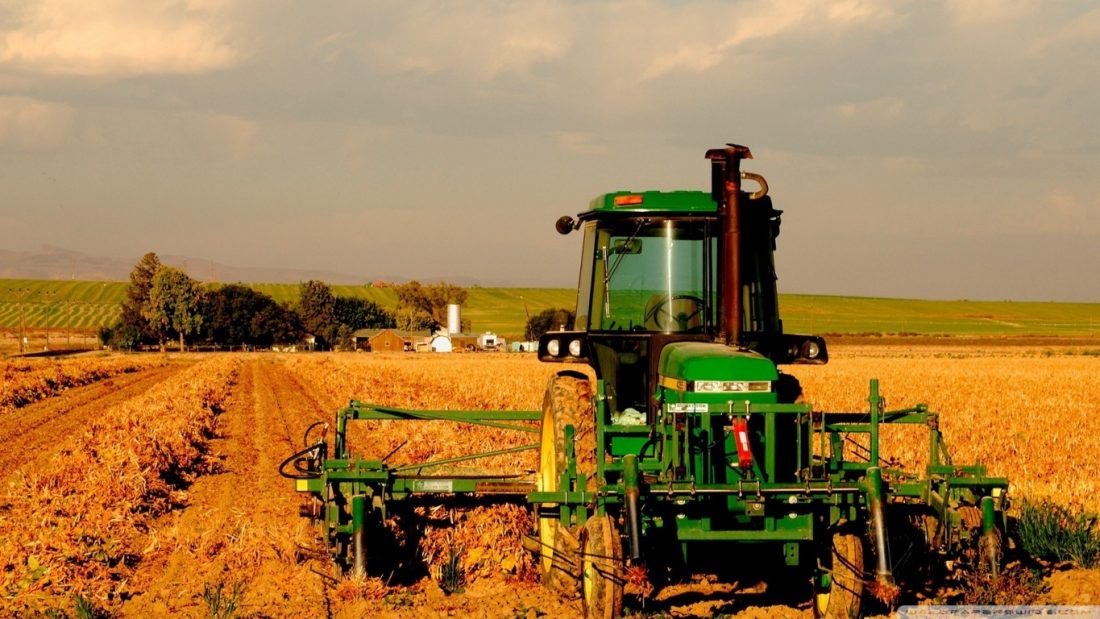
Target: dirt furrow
34 433
240 534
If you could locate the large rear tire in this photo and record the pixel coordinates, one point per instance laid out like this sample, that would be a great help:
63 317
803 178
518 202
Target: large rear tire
602 569
568 401
842 596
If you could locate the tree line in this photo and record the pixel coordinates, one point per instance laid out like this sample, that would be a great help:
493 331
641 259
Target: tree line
163 304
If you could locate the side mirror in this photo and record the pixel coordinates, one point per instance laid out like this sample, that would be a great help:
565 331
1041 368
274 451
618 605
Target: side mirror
565 224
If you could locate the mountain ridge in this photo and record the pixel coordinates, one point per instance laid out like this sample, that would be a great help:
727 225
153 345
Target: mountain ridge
50 262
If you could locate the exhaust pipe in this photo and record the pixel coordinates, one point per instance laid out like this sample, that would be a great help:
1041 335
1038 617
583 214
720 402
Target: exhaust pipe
725 190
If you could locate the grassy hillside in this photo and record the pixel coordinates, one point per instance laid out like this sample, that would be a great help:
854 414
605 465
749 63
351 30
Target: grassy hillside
834 314
504 310
59 303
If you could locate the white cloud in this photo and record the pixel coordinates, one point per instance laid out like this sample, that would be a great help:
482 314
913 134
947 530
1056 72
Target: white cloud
230 136
119 38
882 109
579 142
482 40
1082 30
987 12
32 124
732 28
1063 212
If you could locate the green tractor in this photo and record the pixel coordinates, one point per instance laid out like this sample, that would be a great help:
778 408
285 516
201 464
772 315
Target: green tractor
690 437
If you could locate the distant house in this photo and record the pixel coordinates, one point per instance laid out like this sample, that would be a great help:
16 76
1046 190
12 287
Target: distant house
385 340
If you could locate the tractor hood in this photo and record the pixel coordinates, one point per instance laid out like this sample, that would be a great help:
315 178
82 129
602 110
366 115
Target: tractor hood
684 363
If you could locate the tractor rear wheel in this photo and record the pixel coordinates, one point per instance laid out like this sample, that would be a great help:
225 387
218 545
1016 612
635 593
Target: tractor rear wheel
602 569
841 596
568 401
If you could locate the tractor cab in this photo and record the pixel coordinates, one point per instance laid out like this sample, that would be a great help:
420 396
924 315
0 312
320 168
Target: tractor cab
661 270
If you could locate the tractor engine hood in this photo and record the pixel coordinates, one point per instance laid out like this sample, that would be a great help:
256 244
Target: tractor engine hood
706 367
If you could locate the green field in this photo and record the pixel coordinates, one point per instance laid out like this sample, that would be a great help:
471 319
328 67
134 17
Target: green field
59 303
79 304
831 314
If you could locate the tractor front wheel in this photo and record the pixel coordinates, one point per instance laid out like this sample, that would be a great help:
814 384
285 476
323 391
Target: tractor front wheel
568 401
602 569
841 592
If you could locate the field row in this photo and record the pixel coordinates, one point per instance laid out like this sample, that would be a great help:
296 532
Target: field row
79 526
26 381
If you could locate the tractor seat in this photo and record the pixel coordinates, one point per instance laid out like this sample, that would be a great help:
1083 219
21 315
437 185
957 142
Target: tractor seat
678 313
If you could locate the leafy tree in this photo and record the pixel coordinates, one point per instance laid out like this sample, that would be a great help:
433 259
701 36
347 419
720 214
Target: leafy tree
409 319
358 313
429 300
317 311
227 314
125 336
237 315
174 304
132 320
548 320
276 324
345 337
105 333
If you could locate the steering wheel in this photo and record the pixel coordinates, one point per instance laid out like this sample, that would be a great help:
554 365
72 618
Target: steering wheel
679 312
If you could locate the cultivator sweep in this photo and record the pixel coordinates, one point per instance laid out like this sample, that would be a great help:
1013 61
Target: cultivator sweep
690 436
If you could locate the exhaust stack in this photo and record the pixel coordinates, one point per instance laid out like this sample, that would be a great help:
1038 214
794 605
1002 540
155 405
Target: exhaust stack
725 190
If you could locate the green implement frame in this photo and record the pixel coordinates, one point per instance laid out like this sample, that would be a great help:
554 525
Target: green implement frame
840 477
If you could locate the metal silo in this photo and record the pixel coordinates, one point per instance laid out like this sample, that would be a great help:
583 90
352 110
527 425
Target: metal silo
454 319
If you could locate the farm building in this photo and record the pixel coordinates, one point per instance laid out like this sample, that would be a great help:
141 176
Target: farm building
385 340
441 343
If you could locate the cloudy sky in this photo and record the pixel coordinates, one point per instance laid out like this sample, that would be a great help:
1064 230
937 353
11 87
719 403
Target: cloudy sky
919 149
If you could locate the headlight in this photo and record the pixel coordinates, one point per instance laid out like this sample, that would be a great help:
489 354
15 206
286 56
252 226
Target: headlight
575 348
810 349
563 347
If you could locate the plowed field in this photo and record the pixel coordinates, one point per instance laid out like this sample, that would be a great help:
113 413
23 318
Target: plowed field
156 493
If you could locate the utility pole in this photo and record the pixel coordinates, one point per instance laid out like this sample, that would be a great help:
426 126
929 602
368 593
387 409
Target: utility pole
21 293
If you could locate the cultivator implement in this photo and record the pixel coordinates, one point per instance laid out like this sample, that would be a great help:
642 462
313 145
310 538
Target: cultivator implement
665 501
689 437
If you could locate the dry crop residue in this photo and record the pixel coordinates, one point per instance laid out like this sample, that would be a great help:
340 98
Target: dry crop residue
37 427
1031 418
30 380
79 526
173 493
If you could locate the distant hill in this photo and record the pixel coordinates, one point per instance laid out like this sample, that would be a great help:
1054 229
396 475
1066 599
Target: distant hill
49 262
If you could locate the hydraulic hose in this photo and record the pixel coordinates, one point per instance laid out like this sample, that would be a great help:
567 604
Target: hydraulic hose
298 460
759 180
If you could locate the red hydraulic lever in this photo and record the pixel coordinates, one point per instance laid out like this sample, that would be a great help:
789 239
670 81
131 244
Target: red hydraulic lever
741 437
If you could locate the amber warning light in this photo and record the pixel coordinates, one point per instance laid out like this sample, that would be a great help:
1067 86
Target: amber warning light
630 200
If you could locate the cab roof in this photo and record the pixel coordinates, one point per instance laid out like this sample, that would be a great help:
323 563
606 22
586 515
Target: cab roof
688 202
